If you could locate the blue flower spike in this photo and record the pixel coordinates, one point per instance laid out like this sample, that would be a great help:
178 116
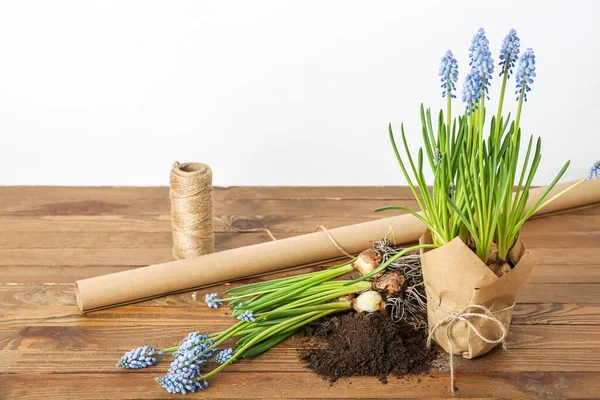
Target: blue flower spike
594 171
247 316
471 90
449 74
213 301
184 374
481 59
177 383
141 357
193 339
452 189
509 53
223 356
525 73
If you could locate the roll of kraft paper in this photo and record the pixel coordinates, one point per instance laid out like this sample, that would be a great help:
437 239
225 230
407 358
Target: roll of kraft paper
179 276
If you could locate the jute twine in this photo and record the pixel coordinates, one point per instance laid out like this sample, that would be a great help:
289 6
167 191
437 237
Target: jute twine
191 210
318 228
465 315
268 232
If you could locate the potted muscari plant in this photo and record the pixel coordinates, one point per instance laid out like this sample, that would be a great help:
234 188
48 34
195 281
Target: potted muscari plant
478 203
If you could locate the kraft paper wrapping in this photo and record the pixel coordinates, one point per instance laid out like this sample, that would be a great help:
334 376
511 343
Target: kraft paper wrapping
211 269
456 278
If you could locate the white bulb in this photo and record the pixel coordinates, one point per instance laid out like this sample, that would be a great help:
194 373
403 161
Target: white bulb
370 301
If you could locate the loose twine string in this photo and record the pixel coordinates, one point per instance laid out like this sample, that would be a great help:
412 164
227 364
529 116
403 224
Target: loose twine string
465 315
319 227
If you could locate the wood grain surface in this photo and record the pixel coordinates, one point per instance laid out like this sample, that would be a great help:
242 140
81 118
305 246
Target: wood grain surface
52 236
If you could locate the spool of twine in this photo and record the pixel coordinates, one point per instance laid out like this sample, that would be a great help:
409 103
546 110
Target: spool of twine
191 209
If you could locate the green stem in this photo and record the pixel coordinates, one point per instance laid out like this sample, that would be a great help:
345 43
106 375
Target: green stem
247 331
210 335
449 107
242 296
518 119
470 130
339 305
231 334
501 100
268 332
297 288
481 170
170 350
281 282
323 297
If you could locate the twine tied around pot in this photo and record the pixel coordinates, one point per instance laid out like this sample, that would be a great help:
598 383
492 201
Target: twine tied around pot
191 194
465 315
268 232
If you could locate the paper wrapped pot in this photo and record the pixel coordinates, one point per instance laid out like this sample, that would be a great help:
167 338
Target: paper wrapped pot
456 278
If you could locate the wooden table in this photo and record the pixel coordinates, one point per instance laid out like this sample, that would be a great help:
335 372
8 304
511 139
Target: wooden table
52 236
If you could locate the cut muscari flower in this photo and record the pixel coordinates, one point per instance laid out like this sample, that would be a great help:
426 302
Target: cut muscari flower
179 383
183 375
509 53
594 171
223 356
191 358
193 339
141 357
525 73
471 90
481 59
212 300
449 74
247 316
287 316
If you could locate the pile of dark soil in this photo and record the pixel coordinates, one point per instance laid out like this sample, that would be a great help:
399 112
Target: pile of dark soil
365 344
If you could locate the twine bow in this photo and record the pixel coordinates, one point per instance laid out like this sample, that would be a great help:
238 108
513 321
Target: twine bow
465 315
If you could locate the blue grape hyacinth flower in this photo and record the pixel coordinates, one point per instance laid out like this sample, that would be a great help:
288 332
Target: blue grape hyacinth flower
212 300
184 373
181 383
449 74
481 58
193 339
594 171
141 357
509 53
247 316
525 73
223 356
471 90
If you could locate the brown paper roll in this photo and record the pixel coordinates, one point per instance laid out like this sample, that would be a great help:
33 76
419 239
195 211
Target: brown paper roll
210 269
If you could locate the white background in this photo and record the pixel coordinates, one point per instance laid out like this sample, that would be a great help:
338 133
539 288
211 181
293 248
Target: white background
268 92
